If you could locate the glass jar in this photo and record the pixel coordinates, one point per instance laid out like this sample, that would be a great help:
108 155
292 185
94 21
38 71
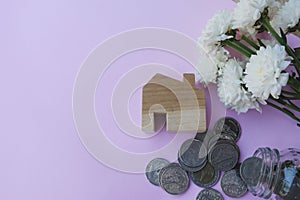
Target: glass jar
278 175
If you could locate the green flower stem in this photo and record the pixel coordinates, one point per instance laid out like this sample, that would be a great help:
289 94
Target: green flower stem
268 26
295 58
244 47
237 48
290 98
293 94
290 102
288 49
282 102
287 112
250 42
294 84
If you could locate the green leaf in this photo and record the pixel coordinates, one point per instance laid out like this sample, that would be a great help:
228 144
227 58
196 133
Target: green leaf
261 43
297 52
283 36
295 84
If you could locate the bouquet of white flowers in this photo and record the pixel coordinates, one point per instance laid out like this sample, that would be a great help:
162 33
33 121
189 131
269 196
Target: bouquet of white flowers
250 59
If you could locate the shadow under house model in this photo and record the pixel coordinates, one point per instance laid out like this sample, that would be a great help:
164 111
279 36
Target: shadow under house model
180 102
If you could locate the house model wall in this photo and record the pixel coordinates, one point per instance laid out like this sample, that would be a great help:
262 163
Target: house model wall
181 102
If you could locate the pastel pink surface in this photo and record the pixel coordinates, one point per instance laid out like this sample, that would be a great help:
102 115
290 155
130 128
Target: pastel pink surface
43 44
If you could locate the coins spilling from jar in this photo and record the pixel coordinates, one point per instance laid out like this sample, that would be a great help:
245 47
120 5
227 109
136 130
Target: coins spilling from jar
201 160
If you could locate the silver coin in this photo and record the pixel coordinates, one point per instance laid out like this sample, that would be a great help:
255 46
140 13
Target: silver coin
229 126
174 180
224 155
250 170
164 168
192 153
206 177
215 137
153 168
209 194
191 169
233 185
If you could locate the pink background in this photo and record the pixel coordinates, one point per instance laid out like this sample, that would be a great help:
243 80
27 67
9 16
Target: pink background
43 44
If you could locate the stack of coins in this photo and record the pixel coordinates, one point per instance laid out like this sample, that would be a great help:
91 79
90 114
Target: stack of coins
201 172
224 155
202 159
192 155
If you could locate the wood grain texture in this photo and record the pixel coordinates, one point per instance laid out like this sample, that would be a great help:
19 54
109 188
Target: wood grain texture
182 103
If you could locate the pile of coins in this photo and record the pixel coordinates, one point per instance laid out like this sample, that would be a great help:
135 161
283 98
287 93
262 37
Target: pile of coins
201 160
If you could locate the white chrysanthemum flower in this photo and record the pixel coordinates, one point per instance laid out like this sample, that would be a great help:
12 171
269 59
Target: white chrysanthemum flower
264 76
272 42
287 17
213 56
216 29
231 91
247 13
209 63
274 6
